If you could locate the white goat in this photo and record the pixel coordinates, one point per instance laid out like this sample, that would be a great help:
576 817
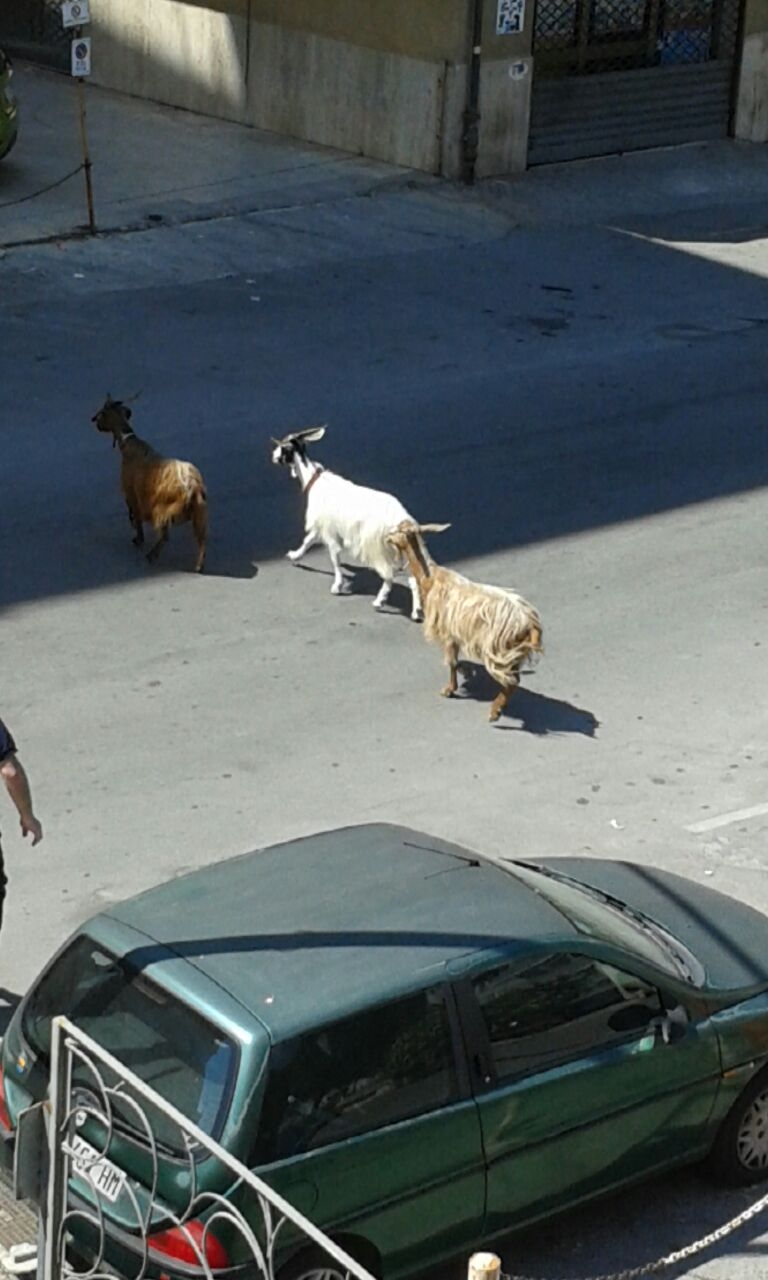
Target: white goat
349 518
491 625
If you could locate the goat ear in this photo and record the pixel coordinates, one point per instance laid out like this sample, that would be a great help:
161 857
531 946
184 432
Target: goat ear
128 413
311 434
433 528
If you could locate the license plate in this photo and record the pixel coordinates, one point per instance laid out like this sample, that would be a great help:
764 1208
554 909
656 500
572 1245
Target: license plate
102 1174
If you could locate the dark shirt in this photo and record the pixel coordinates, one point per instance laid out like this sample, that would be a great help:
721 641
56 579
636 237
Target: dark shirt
7 744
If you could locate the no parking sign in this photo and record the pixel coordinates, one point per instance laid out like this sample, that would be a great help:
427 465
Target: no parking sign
81 56
75 12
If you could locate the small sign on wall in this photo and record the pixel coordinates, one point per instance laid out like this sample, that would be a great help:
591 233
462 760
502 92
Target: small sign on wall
510 16
74 13
81 56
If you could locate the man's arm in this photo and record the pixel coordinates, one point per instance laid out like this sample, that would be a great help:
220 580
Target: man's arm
17 786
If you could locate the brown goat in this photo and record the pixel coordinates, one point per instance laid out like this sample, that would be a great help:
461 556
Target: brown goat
158 491
491 625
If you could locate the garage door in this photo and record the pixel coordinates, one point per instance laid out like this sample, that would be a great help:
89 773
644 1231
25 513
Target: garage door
620 75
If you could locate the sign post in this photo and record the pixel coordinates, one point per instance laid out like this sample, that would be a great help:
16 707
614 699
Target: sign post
74 14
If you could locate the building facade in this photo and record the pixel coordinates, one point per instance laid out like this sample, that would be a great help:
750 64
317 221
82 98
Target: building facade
451 87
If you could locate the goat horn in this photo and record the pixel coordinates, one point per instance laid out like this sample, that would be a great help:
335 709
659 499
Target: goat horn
433 528
135 396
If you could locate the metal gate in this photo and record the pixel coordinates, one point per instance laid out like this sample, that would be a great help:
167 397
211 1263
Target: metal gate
620 75
92 1212
33 29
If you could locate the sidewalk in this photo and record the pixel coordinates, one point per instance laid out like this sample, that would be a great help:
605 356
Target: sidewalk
18 1223
154 164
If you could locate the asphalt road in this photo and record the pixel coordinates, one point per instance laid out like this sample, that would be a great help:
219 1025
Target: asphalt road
580 394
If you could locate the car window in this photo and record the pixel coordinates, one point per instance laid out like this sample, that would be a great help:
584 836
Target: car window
357 1075
155 1035
559 1007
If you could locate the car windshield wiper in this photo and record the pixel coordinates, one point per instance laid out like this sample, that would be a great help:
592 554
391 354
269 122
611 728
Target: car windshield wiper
666 940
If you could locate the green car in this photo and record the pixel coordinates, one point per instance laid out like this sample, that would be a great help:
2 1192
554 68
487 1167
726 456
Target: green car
419 1047
9 112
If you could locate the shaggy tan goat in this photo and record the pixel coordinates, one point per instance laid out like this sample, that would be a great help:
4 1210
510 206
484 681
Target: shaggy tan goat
160 491
490 625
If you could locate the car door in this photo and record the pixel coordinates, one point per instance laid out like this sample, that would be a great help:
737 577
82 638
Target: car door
578 1090
369 1126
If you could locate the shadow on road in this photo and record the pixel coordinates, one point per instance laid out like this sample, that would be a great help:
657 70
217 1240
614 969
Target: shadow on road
539 715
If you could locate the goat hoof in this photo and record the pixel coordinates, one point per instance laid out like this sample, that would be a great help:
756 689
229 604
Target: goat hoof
447 692
379 604
417 616
293 556
337 590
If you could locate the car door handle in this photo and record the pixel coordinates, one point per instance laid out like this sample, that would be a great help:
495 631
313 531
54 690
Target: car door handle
482 1068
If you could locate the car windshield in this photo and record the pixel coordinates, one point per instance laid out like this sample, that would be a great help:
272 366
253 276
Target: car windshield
599 915
152 1033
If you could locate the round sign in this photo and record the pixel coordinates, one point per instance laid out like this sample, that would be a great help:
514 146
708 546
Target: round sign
81 51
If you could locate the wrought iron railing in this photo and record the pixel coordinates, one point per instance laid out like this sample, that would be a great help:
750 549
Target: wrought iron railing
92 1092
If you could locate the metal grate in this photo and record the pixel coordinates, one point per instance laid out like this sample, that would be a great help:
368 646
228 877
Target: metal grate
574 37
33 29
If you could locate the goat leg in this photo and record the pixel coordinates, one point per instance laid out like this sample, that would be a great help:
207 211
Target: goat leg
308 542
200 530
154 551
383 595
337 586
451 652
417 613
136 525
500 702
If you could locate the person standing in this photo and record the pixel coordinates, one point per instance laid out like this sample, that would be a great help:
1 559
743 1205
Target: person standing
17 786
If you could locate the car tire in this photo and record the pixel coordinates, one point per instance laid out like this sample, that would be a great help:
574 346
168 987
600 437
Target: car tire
740 1152
314 1264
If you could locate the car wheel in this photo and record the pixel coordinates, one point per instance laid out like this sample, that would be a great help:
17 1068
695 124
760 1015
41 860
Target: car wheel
314 1264
740 1153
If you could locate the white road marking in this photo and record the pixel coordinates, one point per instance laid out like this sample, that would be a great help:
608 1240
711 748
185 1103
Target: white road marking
725 819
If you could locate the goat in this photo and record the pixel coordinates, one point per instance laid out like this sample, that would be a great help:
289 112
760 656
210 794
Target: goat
491 625
348 518
160 491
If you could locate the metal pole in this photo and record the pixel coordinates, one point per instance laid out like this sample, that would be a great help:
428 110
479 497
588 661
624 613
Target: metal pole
484 1266
57 1160
86 155
470 137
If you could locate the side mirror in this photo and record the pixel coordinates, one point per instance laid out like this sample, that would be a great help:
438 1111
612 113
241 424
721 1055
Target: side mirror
633 1017
672 1025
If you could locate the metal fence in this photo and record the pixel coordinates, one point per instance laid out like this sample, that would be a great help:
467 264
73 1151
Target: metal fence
593 36
91 1091
33 29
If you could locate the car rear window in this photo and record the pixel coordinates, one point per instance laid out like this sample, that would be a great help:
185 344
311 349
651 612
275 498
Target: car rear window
174 1050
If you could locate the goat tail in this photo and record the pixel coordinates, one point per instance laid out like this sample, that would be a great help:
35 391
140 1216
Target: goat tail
504 662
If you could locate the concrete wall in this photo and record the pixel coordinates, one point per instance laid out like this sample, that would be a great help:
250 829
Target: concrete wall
751 117
380 77
505 94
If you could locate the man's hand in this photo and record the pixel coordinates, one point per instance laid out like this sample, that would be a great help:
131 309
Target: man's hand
31 827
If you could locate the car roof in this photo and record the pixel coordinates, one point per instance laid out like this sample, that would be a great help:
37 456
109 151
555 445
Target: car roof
308 931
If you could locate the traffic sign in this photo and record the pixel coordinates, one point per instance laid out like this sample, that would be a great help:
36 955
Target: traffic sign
81 56
75 12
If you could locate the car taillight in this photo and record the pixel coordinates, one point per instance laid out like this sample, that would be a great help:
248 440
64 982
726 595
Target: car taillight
177 1243
5 1119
